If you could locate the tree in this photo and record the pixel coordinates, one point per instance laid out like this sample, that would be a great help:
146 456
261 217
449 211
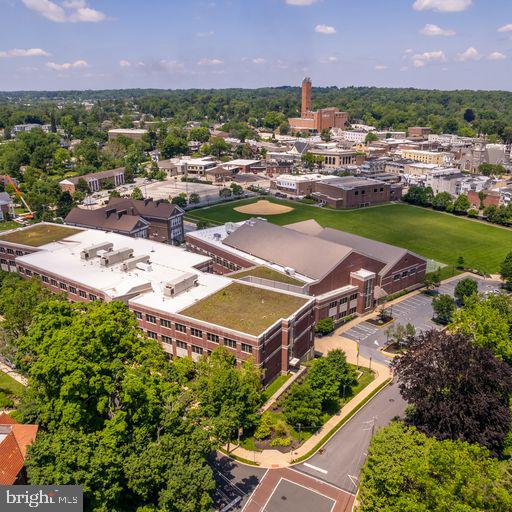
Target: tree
173 146
465 288
488 321
460 262
401 334
442 201
225 192
422 196
491 169
302 405
432 280
506 271
309 160
194 198
83 186
236 189
325 135
218 146
371 137
64 204
457 390
180 200
228 396
469 115
444 308
137 194
202 224
461 205
273 119
325 325
407 471
199 134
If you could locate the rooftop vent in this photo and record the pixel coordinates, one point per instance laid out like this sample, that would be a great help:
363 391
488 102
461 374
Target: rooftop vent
230 227
289 270
94 250
113 257
132 262
180 284
217 236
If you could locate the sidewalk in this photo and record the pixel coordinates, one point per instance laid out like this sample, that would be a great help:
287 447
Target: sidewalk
12 373
276 459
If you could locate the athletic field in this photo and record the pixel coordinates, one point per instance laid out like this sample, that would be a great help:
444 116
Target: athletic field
439 236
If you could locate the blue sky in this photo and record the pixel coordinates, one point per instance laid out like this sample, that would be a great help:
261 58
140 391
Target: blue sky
82 44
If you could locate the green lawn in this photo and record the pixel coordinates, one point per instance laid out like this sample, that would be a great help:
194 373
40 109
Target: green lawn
274 386
267 273
434 235
244 308
10 390
8 224
40 234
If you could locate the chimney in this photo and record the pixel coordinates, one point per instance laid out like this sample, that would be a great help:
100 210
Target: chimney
120 213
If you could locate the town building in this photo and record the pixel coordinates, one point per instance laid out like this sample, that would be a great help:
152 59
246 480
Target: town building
355 192
95 181
130 133
318 120
172 292
336 158
157 220
20 128
427 157
15 438
347 274
6 206
297 184
418 132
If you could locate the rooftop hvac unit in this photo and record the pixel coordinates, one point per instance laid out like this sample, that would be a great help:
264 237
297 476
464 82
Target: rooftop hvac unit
113 257
132 262
94 250
230 227
289 270
180 284
217 236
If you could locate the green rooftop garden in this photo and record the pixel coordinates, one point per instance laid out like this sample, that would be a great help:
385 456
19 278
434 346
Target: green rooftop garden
39 234
267 273
245 308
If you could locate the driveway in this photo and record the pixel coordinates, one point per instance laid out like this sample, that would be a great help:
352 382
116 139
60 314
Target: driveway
341 459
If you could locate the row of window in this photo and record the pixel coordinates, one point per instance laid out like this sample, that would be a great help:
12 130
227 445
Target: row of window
363 192
12 251
217 259
405 273
343 300
345 313
198 350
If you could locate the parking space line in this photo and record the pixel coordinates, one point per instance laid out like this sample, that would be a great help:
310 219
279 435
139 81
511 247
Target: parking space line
316 468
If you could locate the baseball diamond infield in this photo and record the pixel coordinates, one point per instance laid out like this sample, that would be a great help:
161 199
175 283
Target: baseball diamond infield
263 207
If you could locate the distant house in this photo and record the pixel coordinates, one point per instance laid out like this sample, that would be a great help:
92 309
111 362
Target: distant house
130 133
156 220
96 180
6 206
14 440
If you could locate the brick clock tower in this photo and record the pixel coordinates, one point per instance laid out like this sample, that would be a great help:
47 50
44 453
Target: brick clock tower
306 96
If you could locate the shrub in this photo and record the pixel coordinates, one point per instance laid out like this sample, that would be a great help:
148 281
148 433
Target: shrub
280 441
264 428
473 214
280 429
325 326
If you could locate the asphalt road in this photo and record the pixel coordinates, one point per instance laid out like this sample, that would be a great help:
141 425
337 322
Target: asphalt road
341 459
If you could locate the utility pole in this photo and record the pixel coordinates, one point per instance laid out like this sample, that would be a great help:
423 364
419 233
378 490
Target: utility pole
370 363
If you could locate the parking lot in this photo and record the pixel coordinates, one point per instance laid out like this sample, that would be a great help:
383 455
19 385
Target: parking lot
416 310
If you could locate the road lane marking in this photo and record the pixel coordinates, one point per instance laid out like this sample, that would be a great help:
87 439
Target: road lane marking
320 470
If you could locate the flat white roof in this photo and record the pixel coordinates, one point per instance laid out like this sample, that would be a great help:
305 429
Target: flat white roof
242 161
302 177
128 130
63 259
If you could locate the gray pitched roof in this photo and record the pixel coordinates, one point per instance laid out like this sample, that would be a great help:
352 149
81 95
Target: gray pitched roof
307 255
100 219
307 227
145 207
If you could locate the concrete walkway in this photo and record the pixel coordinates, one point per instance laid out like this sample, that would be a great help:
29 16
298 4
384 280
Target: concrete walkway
277 459
13 373
273 399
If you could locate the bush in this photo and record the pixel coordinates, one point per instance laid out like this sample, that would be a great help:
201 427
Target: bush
473 214
278 441
280 429
325 326
264 428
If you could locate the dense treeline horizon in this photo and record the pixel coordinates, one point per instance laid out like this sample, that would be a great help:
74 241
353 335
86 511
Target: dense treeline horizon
490 112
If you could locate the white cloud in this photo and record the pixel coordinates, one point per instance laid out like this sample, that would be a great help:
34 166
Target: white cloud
329 60
210 33
442 5
435 30
209 62
29 52
67 65
420 60
496 56
381 67
506 28
125 63
301 3
73 11
325 29
470 54
259 60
